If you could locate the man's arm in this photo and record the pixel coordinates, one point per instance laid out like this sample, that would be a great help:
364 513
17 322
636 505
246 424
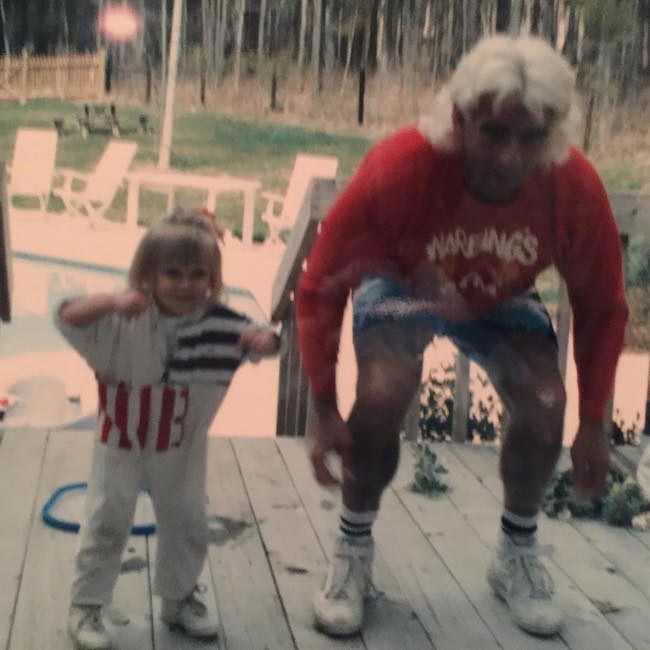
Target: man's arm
590 261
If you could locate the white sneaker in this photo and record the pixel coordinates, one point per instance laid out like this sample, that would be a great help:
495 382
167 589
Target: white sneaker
517 575
338 606
86 628
190 615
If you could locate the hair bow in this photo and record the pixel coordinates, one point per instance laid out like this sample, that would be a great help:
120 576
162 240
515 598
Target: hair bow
219 232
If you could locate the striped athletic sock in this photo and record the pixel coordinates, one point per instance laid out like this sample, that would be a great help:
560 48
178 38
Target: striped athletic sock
356 526
521 529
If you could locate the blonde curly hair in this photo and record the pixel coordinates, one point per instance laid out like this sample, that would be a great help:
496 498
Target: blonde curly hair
503 67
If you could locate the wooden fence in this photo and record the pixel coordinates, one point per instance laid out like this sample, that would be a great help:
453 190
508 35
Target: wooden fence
65 76
633 217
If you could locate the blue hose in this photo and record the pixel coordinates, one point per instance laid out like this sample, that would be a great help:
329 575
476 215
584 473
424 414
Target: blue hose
73 526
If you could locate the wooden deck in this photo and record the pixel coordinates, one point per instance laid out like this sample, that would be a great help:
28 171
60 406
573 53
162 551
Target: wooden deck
272 529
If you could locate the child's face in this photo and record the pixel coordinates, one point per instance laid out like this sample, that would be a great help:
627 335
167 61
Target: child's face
181 289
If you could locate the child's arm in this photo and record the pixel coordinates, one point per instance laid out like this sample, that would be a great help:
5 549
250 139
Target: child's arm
83 311
259 340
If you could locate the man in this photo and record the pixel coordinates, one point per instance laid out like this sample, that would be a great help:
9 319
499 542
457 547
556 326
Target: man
442 232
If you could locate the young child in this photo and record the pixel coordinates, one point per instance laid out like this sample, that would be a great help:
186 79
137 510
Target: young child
164 352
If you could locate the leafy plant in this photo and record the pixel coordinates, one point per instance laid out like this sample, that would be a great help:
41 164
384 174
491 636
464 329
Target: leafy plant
437 408
620 502
626 434
427 471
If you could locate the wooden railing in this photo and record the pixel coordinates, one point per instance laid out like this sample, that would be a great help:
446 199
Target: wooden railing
66 76
632 215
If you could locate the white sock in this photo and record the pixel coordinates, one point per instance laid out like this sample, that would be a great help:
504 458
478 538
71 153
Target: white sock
517 528
356 526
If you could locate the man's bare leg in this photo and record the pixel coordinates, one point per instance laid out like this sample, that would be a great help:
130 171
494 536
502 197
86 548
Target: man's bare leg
387 380
532 391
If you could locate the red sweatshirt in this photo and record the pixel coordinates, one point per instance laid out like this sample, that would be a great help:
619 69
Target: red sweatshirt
406 213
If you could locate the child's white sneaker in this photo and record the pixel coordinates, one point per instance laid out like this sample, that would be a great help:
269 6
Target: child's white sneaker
86 628
191 615
517 575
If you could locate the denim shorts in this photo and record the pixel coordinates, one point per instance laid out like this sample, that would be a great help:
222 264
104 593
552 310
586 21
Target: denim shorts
381 301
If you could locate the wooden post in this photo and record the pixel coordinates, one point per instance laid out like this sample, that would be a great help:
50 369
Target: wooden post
411 422
25 66
108 70
362 92
274 88
147 72
462 399
6 277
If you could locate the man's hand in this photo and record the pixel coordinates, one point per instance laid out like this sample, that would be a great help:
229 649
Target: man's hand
131 303
590 456
330 434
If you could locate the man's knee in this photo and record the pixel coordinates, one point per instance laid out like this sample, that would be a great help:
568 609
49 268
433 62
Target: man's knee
539 415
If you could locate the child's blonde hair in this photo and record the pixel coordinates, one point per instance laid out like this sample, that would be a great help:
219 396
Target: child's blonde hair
525 67
183 237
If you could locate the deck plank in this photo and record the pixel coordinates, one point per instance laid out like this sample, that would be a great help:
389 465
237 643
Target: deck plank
249 605
166 638
50 559
584 573
20 470
435 594
293 548
390 621
465 555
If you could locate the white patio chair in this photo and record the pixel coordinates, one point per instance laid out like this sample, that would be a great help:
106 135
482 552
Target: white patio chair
32 166
101 185
305 168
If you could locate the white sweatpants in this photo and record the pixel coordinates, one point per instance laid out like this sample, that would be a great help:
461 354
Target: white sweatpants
176 482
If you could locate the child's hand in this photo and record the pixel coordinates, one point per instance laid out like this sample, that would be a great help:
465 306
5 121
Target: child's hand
131 303
259 340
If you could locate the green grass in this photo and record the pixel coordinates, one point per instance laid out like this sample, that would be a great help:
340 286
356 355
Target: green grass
203 141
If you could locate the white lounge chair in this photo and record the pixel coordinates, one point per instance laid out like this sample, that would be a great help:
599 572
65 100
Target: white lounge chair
305 168
101 185
32 166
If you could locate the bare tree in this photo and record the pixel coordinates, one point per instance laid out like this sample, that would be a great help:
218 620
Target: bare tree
303 33
239 41
260 35
503 15
5 31
316 64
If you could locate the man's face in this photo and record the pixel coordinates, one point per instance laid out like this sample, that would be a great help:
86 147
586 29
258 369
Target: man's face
501 148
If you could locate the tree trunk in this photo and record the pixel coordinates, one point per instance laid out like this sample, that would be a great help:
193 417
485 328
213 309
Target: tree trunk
220 41
303 34
66 28
205 47
503 15
570 47
239 41
348 54
535 17
260 35
163 46
5 32
139 48
516 15
316 64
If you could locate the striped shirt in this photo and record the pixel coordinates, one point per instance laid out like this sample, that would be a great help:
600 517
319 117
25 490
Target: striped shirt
159 378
